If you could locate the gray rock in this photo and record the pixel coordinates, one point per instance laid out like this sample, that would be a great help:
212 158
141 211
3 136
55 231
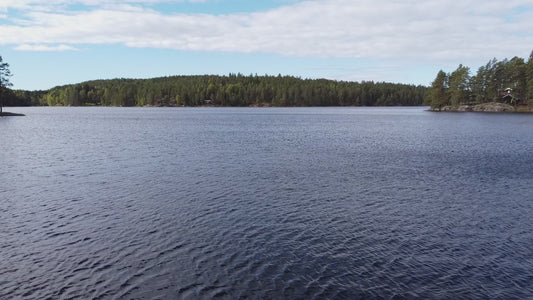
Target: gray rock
484 107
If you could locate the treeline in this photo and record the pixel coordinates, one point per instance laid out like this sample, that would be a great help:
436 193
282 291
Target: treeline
23 98
489 84
231 90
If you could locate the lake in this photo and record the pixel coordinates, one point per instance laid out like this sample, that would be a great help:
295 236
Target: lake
265 203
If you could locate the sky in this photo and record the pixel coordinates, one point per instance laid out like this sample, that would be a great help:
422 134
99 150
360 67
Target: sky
56 42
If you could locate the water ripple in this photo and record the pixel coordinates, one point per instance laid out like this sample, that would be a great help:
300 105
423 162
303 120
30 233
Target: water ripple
265 204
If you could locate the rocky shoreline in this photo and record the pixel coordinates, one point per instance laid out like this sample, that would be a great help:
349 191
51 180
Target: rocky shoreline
485 107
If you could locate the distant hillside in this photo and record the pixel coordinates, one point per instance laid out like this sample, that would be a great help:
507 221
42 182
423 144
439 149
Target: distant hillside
231 90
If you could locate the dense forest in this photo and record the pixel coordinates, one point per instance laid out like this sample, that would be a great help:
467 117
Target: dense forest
507 80
230 90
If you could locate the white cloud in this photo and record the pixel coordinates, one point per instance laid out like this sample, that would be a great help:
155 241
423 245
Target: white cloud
410 29
55 5
28 47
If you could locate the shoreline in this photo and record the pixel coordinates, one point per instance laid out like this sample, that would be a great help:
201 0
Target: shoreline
492 107
9 114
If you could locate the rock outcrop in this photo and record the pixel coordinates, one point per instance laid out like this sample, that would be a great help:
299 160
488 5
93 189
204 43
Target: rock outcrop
484 107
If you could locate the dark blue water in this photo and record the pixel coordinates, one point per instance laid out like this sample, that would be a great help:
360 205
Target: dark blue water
265 203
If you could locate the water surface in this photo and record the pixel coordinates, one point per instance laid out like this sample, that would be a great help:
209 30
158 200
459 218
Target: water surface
265 203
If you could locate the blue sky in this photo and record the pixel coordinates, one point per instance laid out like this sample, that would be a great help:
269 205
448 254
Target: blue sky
55 42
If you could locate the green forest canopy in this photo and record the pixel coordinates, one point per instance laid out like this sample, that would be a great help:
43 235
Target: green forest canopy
487 85
230 90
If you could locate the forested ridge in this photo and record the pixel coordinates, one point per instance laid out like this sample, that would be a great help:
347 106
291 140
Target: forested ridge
508 80
229 90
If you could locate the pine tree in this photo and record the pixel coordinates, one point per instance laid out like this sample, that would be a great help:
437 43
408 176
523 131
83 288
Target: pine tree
458 85
4 81
529 79
438 96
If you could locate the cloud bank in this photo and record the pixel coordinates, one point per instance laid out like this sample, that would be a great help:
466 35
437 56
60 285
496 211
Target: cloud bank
376 29
26 47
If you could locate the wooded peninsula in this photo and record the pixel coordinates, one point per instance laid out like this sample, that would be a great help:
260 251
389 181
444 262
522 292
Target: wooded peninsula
507 85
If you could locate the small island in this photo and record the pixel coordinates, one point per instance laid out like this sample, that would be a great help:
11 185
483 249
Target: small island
4 88
9 114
